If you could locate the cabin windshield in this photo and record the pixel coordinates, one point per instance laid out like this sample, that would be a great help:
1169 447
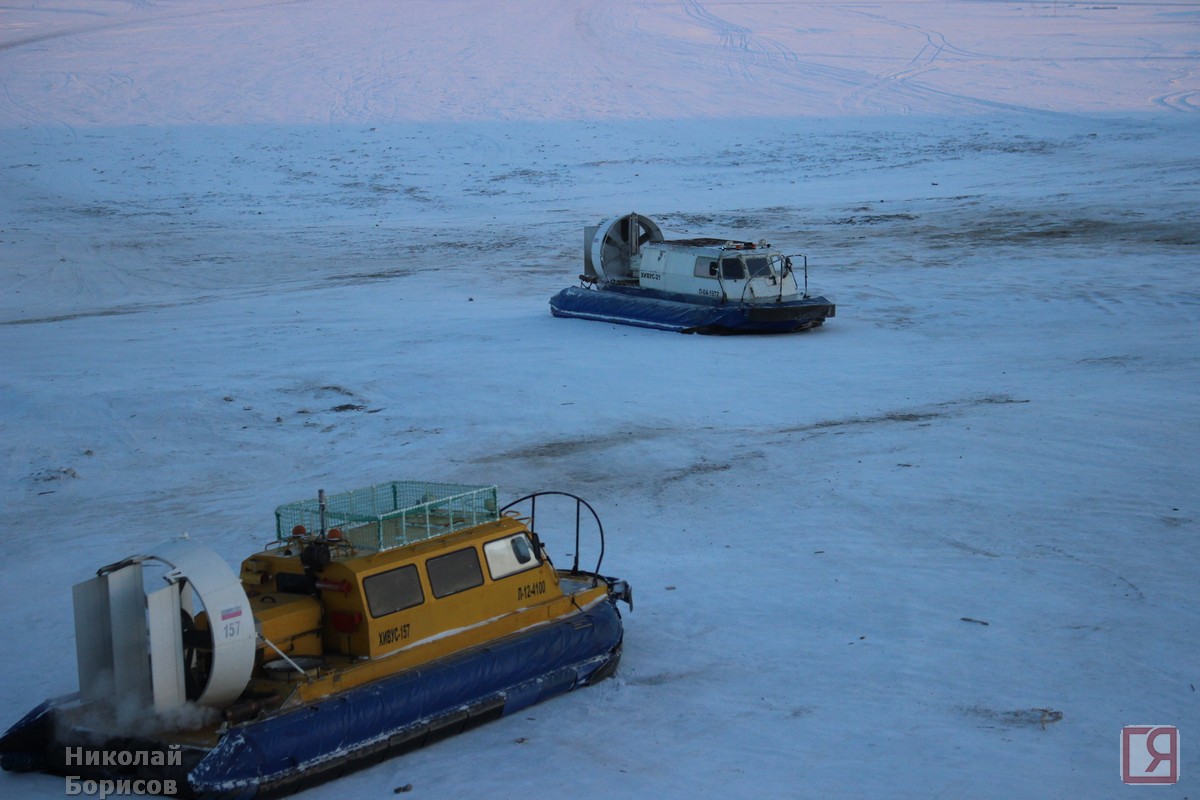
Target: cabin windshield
732 269
759 267
738 268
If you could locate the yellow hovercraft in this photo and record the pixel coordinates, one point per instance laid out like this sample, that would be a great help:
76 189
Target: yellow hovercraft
379 620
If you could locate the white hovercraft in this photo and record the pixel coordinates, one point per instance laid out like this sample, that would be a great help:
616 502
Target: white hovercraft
634 276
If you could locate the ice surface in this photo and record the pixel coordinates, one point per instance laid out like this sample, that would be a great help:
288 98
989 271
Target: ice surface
251 249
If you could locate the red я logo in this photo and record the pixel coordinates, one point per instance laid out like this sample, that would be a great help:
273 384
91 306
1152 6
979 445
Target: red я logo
1150 754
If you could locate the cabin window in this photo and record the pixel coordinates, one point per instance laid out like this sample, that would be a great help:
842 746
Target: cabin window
454 572
509 556
392 591
759 266
705 268
732 270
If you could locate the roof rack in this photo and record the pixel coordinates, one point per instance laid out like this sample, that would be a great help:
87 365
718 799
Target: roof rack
389 515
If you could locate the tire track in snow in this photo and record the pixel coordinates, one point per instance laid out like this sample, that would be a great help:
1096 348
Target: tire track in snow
757 55
24 111
732 37
1180 101
762 60
893 88
85 30
900 83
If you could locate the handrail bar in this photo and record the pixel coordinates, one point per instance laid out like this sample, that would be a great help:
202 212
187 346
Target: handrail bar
580 503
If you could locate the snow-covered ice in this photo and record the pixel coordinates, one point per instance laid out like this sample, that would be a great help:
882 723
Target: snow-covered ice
944 546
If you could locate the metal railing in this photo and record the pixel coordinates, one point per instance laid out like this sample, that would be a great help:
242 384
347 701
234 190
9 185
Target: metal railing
389 515
580 504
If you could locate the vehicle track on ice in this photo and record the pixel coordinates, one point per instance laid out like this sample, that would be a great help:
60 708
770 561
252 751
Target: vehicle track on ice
763 61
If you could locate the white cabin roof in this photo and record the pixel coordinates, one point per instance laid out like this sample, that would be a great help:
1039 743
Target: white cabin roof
714 248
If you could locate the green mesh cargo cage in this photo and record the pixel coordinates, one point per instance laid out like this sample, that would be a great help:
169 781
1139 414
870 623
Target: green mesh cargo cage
392 514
